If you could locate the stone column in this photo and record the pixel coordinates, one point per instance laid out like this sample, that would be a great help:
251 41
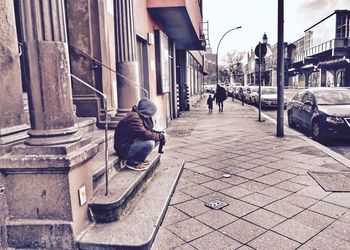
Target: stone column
323 77
106 27
49 86
347 77
307 78
334 74
126 64
306 73
12 122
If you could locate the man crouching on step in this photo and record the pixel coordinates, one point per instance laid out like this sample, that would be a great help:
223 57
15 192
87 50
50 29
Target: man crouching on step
134 137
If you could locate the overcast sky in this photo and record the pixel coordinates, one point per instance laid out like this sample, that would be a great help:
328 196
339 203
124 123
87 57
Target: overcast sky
259 16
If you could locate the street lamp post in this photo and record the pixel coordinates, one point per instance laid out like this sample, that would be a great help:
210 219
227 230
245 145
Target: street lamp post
280 70
217 52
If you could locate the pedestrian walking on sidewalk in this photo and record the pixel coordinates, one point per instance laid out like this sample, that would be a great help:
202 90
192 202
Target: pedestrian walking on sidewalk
134 137
210 104
241 95
220 96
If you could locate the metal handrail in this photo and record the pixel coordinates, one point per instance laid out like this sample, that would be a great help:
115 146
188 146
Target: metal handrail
106 126
100 63
104 101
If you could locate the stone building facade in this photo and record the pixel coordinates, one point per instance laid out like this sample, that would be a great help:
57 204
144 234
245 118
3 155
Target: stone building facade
322 56
50 130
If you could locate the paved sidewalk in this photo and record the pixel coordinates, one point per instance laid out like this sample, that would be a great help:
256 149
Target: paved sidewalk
273 203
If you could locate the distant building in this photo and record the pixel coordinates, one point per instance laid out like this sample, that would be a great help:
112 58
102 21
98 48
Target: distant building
320 58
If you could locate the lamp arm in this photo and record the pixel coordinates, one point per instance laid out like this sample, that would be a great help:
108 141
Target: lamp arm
217 52
217 49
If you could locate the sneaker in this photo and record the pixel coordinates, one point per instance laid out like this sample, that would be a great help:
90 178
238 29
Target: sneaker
138 167
121 163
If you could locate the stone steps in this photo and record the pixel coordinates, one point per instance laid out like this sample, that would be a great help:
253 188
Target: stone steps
88 125
128 190
98 164
112 121
138 224
122 188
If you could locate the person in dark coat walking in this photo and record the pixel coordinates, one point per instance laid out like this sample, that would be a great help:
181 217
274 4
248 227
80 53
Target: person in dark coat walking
134 137
210 104
241 95
220 97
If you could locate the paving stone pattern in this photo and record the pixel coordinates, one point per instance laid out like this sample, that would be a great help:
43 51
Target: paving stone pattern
273 203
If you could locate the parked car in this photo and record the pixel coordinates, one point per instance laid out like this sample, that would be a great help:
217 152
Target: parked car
242 89
235 89
269 97
251 94
325 112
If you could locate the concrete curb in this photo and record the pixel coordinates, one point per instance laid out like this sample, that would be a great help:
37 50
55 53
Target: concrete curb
313 143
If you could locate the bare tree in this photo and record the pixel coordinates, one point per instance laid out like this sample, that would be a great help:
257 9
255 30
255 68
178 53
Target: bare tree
211 71
224 74
233 63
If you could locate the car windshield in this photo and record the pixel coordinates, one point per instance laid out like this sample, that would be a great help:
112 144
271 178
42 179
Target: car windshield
254 89
339 97
269 91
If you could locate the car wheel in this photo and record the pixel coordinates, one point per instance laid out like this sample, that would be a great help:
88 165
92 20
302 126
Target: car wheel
316 131
291 121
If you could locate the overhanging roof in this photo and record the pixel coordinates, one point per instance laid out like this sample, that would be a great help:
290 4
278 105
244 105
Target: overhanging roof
177 24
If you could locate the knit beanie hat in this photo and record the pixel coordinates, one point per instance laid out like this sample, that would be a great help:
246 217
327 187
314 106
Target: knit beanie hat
146 107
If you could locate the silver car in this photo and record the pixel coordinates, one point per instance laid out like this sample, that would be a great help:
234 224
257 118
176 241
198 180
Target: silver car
269 97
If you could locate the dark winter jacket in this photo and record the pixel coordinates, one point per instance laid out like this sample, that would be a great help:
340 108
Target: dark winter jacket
220 94
132 127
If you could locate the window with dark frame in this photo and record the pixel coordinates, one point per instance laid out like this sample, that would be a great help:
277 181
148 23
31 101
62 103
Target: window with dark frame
342 25
142 59
162 62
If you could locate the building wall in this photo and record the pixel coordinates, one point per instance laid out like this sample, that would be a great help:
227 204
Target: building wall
144 27
194 76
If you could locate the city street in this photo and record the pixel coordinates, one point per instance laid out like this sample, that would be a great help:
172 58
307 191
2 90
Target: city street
261 185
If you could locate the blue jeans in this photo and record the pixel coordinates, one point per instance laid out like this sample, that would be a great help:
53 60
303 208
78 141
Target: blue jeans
139 151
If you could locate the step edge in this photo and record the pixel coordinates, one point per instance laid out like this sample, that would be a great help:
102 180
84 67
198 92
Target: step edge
130 188
101 169
147 243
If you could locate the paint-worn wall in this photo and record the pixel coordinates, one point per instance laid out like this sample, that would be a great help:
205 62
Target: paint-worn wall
145 26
